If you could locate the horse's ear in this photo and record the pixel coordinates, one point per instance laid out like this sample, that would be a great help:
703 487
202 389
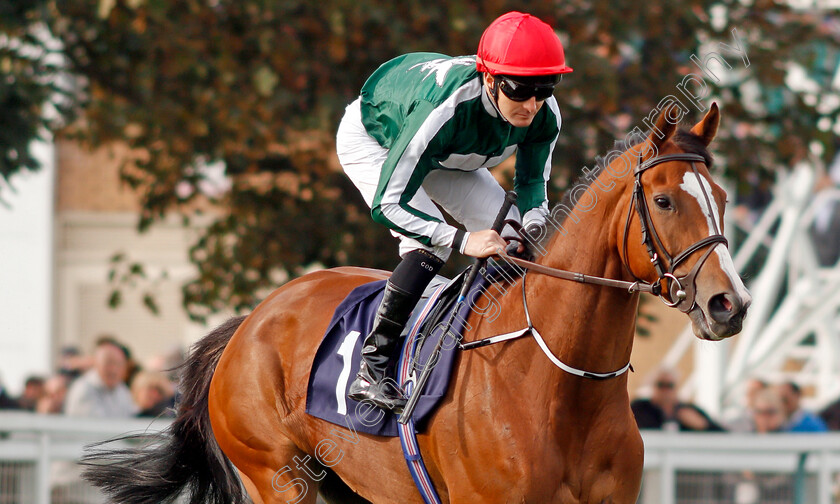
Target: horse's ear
707 128
664 128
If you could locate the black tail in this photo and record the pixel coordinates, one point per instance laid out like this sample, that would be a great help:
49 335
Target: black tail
185 456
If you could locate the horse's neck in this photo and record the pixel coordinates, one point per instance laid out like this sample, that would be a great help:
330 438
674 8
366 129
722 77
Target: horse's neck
586 326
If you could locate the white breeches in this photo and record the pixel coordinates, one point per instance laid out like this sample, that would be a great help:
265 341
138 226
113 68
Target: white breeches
472 198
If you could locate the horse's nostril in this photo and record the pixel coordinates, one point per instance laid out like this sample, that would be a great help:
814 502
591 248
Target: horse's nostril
722 308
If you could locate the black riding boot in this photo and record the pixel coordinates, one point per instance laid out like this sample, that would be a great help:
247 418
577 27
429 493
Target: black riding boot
402 292
371 382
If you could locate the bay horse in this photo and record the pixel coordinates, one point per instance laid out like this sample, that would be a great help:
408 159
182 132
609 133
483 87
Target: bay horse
514 426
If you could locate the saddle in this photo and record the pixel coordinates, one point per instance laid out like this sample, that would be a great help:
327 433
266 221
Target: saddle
338 358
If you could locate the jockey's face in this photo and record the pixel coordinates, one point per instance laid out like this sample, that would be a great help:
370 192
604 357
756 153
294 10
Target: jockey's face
518 113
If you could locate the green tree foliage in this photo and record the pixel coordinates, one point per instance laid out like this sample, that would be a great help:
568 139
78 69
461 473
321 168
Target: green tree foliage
260 85
28 65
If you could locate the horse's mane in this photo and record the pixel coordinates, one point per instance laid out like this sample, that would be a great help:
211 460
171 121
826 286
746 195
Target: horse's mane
685 140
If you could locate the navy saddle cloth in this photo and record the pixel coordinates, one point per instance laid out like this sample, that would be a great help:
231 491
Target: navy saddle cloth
339 356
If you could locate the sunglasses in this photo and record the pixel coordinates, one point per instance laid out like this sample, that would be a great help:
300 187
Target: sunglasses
519 91
665 385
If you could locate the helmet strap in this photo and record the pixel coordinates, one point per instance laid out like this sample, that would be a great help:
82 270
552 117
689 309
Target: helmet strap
494 93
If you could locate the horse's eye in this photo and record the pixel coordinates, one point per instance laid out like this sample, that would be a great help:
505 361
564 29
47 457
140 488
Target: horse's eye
662 202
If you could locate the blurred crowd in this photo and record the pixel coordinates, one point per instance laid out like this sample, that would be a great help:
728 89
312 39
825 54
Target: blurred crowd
110 383
766 407
106 383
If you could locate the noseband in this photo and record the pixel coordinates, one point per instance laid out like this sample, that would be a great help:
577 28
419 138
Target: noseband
681 290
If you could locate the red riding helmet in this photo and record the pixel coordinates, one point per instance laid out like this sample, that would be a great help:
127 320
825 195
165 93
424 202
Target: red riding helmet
520 44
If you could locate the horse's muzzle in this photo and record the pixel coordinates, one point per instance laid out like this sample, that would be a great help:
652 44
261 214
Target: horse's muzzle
725 312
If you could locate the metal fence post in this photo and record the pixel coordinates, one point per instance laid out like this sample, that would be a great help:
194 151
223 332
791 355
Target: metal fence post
799 480
824 484
42 470
667 478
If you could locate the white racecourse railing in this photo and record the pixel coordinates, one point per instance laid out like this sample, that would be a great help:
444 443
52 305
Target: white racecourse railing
810 462
30 443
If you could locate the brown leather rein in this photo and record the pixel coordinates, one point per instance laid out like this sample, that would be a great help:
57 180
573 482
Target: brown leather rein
684 296
681 290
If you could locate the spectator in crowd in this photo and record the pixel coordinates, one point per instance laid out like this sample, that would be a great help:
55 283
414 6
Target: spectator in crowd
153 393
768 416
33 390
744 421
768 412
664 410
6 401
831 416
168 362
101 392
55 391
72 363
132 367
798 419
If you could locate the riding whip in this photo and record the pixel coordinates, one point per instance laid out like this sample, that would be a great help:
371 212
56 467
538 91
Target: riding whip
498 224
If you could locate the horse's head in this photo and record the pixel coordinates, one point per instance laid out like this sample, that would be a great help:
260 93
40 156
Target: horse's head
676 208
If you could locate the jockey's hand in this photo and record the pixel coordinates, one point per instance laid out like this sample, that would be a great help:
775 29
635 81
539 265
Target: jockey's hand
518 249
484 243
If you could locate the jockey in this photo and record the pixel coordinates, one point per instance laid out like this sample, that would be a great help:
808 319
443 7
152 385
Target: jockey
423 133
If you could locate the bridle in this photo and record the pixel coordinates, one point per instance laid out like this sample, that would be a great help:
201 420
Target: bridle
681 290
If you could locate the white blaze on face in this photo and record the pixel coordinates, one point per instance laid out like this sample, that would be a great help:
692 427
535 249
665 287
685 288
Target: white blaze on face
692 186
